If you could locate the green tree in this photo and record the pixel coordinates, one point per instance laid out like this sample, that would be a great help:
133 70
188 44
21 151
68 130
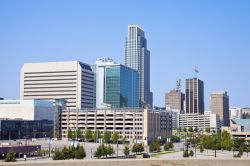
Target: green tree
191 153
185 129
70 134
66 153
126 151
99 152
124 140
107 136
110 150
10 157
58 155
207 130
190 129
80 152
175 139
79 134
185 153
201 148
168 146
196 129
115 137
97 135
88 135
155 146
137 148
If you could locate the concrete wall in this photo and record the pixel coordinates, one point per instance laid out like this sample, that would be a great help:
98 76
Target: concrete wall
138 162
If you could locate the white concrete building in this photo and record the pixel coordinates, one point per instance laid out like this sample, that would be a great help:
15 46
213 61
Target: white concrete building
141 125
26 109
201 121
235 113
72 81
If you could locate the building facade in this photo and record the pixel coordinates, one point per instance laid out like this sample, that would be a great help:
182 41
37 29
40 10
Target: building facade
175 100
200 121
116 85
137 57
140 125
235 113
194 97
219 104
26 109
72 81
25 129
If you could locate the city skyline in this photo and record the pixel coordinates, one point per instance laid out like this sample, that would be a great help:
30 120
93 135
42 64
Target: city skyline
209 35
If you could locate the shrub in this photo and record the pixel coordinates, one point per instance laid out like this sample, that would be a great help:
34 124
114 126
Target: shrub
201 148
10 157
58 155
191 153
185 154
80 153
168 146
126 150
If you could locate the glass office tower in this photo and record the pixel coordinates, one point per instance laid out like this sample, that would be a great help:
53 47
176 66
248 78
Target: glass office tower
137 57
116 85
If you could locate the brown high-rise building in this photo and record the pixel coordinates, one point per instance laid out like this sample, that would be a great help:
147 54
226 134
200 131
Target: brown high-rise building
174 99
219 104
194 96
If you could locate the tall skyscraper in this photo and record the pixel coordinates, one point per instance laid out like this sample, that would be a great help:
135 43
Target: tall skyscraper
72 81
137 57
116 84
194 96
175 100
219 104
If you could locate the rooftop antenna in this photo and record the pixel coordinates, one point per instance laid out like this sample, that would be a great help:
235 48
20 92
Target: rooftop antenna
178 84
196 71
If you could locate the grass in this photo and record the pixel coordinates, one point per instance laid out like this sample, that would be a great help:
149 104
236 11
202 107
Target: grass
162 153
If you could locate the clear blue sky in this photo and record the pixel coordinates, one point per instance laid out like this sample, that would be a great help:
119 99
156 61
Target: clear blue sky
212 34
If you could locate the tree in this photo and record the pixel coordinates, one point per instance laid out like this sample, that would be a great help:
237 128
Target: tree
185 129
70 134
124 140
66 153
201 148
207 130
10 157
155 146
97 135
137 148
110 150
126 150
80 152
185 153
58 155
115 137
190 129
175 139
168 146
106 136
88 135
79 134
191 153
99 152
196 129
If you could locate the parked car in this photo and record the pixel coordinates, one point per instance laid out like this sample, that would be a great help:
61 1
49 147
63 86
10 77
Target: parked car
145 155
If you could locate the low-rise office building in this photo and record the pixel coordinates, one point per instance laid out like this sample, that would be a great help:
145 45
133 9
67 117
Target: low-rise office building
200 121
26 109
140 125
22 129
237 129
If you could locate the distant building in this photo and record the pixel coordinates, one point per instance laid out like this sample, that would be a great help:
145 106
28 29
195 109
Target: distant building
25 129
235 113
246 113
200 121
175 100
194 98
138 125
71 80
219 104
116 85
244 123
26 109
137 57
